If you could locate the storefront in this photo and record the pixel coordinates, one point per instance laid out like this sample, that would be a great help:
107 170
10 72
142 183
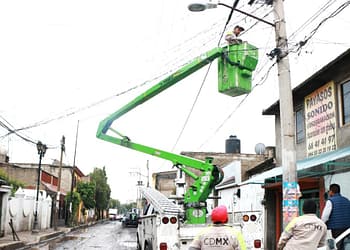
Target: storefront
312 175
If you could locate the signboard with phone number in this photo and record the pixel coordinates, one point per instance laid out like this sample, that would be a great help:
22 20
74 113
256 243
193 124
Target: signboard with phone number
320 120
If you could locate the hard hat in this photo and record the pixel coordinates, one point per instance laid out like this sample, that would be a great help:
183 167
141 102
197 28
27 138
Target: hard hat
219 214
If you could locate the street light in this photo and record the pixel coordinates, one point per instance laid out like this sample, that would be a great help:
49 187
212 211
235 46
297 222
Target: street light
41 151
201 6
290 180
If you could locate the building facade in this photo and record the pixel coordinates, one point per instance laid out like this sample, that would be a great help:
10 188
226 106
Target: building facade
322 140
27 173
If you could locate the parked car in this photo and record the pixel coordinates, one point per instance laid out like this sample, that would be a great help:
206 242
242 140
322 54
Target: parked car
130 219
119 217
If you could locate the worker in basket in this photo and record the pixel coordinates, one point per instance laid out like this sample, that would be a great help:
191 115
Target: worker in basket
232 37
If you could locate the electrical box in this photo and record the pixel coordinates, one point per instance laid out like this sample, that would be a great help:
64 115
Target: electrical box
235 67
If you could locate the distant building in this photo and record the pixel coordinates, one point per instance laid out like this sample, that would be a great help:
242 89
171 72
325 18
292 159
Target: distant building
165 181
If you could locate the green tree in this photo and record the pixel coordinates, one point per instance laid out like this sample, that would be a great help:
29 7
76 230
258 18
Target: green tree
102 191
127 207
113 203
74 199
15 184
87 194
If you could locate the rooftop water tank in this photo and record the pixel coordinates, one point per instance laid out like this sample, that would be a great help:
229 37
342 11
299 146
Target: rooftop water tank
233 145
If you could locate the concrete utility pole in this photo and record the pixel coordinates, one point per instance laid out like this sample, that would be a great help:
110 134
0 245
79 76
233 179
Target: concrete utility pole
289 185
72 182
147 174
63 141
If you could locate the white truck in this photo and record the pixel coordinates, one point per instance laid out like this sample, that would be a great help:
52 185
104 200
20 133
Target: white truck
112 213
249 213
161 226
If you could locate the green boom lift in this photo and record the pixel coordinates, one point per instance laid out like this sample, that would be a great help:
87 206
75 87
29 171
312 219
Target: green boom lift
235 66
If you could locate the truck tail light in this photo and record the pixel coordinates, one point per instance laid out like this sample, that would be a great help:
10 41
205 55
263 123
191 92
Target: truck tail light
257 243
245 218
173 220
253 217
165 220
163 246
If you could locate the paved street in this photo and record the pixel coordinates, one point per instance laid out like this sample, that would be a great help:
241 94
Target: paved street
108 235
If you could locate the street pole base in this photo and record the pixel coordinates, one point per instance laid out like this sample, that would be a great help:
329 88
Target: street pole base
35 231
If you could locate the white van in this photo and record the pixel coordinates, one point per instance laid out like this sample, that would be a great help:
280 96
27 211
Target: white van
112 213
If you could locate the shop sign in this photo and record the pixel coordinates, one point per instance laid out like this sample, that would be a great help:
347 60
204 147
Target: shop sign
320 120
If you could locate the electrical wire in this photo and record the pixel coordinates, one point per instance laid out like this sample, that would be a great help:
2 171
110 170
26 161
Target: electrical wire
8 128
22 136
321 41
228 20
192 108
312 18
261 82
69 113
205 77
314 31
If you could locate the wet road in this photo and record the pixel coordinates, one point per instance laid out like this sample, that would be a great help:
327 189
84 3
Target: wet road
109 235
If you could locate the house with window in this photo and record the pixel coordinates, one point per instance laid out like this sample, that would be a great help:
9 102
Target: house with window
322 138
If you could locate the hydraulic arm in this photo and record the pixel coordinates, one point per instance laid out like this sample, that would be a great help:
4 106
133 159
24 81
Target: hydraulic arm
197 194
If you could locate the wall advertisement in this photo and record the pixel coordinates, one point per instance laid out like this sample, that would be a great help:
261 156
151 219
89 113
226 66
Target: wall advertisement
320 120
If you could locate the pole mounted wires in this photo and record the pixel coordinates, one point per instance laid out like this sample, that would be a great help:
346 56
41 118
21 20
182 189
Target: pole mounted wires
307 38
11 130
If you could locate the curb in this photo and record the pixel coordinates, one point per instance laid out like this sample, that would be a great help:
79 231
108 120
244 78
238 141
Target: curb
46 238
14 245
50 236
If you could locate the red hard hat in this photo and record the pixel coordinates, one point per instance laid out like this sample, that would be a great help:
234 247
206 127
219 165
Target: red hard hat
219 214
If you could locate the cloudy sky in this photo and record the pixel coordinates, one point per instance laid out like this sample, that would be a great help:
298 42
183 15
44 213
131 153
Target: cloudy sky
67 61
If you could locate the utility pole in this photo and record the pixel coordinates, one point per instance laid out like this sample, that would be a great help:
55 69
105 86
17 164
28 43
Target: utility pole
63 141
72 182
289 183
147 174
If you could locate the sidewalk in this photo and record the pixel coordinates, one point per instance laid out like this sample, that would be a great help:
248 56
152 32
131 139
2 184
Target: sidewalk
28 239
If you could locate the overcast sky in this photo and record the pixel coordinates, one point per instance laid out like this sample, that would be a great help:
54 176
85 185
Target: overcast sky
64 61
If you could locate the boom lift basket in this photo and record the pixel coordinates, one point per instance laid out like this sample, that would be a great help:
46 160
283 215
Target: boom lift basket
235 68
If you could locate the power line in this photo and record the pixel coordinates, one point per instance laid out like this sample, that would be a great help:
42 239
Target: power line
261 82
75 111
26 138
11 130
314 31
312 18
205 77
192 108
228 20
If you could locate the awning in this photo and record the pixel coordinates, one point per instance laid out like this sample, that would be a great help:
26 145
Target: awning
327 163
52 188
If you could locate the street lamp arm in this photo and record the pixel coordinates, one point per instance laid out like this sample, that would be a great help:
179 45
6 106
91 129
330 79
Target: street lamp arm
199 6
247 14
